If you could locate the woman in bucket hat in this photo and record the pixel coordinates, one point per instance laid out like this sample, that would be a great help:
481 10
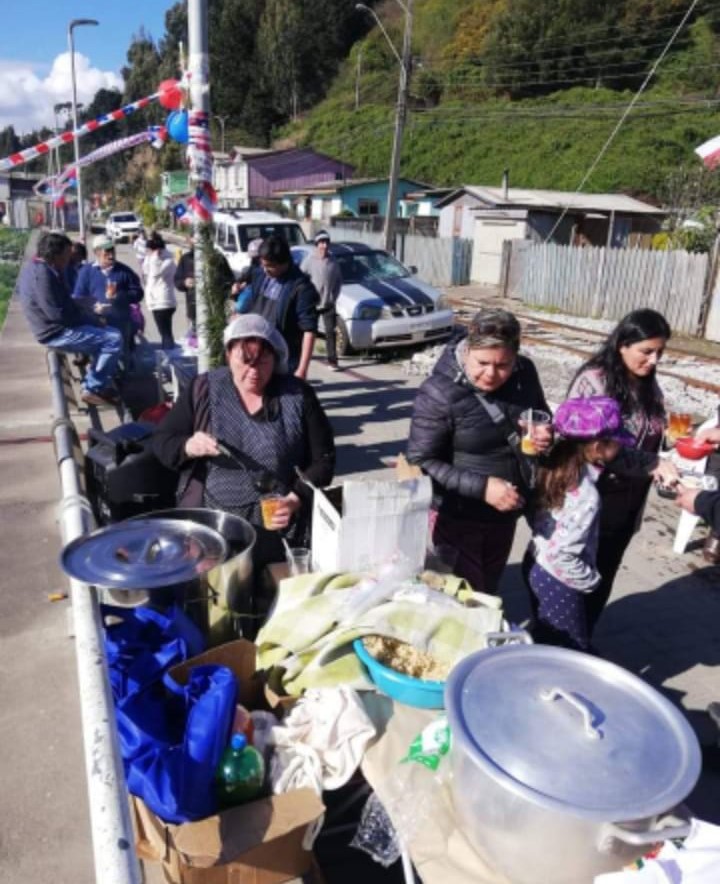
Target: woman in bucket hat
560 566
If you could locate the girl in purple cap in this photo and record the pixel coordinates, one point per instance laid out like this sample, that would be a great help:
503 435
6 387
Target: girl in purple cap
560 564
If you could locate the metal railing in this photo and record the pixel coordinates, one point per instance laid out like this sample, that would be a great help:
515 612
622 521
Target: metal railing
112 834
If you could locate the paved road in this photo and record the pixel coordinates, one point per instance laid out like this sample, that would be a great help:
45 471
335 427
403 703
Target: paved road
662 622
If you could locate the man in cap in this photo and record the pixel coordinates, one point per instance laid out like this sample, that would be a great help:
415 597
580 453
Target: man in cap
324 272
58 322
107 288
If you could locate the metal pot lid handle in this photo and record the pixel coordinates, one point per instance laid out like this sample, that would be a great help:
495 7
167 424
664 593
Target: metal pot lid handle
552 694
666 828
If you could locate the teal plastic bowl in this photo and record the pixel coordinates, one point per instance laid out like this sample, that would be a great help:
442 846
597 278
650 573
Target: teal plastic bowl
403 688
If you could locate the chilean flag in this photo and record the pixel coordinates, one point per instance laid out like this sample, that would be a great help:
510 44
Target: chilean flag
709 152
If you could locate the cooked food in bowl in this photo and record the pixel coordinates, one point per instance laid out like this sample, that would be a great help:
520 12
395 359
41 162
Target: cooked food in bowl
406 659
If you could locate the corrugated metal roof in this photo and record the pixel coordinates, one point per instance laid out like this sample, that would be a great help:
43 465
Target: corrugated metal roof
520 197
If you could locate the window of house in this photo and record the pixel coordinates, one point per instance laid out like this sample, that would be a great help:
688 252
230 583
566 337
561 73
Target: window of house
368 207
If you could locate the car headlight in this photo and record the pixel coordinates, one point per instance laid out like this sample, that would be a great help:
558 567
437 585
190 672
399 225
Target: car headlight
443 303
368 311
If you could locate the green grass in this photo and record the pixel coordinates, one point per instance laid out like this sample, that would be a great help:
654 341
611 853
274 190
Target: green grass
12 249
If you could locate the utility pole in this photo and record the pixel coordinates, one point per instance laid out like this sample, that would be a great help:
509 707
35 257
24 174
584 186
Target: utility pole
400 114
75 23
221 119
198 68
357 78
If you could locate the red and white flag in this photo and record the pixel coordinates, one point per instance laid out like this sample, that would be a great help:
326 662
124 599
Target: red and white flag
709 152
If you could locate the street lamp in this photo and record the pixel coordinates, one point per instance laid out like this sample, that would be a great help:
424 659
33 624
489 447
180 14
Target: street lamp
221 119
400 113
76 23
65 106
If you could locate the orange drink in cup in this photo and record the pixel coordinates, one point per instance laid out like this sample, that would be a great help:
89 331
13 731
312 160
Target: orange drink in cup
679 424
268 507
529 420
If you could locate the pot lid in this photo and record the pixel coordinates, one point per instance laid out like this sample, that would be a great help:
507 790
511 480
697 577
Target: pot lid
144 554
571 731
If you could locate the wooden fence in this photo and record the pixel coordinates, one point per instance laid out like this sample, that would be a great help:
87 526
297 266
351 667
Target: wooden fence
608 283
440 262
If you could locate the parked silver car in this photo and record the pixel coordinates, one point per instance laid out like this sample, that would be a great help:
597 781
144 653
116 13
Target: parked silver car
382 303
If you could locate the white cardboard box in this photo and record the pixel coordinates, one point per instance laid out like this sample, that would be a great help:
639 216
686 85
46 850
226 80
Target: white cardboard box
360 525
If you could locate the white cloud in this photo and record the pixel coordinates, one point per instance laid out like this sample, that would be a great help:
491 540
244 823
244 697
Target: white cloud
28 91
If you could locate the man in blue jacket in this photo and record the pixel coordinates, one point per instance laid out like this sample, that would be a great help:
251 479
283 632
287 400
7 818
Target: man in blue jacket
58 322
108 288
286 297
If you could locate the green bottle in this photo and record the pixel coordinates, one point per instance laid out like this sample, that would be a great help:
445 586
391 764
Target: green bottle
240 774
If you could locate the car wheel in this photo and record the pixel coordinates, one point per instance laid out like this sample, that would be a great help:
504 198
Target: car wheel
342 339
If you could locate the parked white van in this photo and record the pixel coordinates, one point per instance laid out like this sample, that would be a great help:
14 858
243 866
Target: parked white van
235 228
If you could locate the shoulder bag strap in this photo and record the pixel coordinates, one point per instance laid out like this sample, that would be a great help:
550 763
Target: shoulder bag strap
502 422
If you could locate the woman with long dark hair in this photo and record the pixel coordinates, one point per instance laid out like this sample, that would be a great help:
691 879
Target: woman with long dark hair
624 368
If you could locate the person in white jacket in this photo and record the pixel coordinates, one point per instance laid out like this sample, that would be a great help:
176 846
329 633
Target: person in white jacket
159 273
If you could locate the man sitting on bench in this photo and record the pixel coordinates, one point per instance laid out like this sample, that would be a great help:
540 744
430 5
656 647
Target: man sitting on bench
58 322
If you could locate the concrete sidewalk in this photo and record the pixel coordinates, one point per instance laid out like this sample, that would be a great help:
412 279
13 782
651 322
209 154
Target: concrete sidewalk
662 622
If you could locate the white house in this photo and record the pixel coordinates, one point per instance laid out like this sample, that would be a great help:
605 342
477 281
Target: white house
231 176
492 215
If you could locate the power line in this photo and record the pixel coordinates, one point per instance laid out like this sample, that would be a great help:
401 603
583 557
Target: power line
612 37
626 113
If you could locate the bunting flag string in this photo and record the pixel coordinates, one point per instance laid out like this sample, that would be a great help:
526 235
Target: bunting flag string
42 149
53 187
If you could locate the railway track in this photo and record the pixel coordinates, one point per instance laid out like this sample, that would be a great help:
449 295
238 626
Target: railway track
583 342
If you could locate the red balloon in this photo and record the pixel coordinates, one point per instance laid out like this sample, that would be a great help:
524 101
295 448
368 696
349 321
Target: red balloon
171 95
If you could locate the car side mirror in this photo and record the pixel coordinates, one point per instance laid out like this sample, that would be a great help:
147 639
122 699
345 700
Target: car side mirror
413 269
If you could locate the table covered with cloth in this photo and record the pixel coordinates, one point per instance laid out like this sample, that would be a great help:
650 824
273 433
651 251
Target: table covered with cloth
316 618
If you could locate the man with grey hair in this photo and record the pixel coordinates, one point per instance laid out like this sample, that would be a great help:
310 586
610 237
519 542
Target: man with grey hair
323 270
57 321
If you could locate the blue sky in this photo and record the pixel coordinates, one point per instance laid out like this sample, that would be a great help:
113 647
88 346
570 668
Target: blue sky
34 62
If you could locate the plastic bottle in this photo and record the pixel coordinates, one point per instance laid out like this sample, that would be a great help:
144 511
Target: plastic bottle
243 723
240 774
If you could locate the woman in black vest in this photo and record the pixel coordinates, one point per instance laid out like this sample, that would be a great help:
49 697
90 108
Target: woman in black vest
464 435
239 432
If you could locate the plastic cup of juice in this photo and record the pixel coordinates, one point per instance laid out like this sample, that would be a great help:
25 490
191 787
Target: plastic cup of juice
529 419
268 506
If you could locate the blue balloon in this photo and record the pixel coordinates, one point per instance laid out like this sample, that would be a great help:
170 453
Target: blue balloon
177 126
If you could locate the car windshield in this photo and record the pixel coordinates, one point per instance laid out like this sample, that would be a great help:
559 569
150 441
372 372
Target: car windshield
290 232
125 219
378 265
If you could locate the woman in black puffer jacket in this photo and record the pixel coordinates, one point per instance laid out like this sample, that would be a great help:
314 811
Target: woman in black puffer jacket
480 481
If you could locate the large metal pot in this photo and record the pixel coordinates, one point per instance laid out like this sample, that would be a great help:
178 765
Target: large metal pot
564 766
159 557
228 588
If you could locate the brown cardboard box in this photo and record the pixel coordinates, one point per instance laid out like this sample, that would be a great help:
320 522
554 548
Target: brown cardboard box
255 843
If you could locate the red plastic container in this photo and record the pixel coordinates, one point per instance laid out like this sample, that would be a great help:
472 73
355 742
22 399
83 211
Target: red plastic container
692 448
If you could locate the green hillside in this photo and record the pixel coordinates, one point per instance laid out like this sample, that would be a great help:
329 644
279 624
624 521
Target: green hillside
545 110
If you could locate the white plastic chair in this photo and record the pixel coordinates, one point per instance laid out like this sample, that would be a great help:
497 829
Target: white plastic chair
688 521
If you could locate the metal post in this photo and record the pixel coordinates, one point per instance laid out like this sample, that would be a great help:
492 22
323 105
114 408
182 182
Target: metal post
112 834
400 114
76 142
198 68
357 79
221 120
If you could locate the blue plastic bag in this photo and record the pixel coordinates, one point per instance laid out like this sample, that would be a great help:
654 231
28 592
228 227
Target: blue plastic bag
145 644
172 737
